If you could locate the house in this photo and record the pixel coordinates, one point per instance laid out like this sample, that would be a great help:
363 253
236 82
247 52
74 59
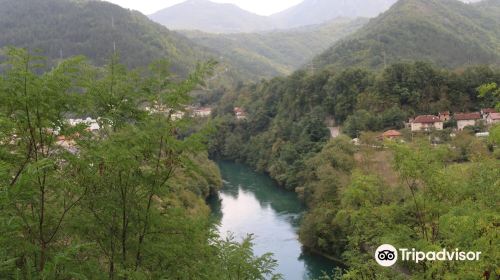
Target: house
92 124
67 143
485 112
240 113
493 118
467 119
202 112
444 116
426 123
391 135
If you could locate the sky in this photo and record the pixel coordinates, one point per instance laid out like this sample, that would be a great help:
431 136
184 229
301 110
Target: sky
261 7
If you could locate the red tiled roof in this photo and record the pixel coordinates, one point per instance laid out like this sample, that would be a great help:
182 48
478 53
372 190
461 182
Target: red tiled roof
467 116
392 133
426 119
495 116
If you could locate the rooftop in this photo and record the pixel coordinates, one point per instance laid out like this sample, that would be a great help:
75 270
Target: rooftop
392 133
495 116
467 116
426 119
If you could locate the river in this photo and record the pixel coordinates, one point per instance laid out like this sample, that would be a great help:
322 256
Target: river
251 203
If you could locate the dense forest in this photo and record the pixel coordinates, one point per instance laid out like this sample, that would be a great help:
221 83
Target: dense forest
60 28
124 202
446 32
360 196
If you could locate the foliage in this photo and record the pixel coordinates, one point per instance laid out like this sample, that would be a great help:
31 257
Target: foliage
63 29
126 202
357 200
431 30
288 117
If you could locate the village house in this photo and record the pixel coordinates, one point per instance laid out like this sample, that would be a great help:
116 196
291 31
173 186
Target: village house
426 123
91 124
485 112
444 116
467 119
391 135
202 112
67 143
240 113
493 118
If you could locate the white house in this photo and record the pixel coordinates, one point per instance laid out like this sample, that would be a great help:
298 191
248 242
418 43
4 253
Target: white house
493 118
91 124
486 111
426 123
467 119
240 113
202 112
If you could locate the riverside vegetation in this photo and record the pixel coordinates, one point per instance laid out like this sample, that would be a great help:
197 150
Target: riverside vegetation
129 203
411 194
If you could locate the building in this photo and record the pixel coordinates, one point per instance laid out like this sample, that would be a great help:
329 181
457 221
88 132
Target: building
426 123
467 119
444 116
202 112
391 135
485 112
493 118
92 124
240 113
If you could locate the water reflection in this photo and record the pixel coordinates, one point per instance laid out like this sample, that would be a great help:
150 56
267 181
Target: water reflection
251 203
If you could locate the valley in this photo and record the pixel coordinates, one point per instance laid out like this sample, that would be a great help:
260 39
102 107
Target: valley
206 141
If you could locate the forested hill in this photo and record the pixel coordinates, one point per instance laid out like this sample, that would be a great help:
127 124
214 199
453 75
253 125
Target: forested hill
89 28
446 32
268 54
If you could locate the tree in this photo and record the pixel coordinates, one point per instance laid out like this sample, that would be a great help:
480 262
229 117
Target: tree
39 187
490 89
127 202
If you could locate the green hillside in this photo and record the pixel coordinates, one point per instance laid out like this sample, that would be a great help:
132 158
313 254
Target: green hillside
446 32
90 28
267 54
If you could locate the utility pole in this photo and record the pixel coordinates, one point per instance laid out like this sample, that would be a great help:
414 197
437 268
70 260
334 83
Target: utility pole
385 59
113 28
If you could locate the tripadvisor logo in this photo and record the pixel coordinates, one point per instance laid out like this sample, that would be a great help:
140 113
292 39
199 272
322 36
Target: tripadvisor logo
387 255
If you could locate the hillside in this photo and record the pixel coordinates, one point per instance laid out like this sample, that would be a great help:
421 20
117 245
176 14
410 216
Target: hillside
210 17
319 11
67 28
267 54
446 32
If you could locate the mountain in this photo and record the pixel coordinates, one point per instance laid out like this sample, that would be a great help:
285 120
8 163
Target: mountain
268 54
319 11
446 32
208 16
92 28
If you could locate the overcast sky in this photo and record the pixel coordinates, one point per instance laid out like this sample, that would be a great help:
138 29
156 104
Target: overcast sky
262 7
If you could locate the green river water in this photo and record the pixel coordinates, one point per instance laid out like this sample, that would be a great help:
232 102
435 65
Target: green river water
251 203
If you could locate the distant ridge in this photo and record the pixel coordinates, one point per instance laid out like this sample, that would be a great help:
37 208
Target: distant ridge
208 16
446 32
318 11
